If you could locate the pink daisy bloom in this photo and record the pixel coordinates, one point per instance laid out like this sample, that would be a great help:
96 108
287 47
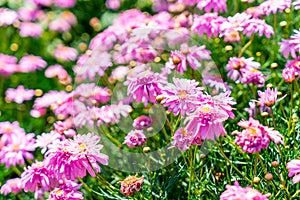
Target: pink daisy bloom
119 73
69 17
31 63
73 158
59 72
237 192
67 190
268 97
59 25
215 5
291 46
43 2
30 29
11 186
92 93
256 12
258 26
289 74
294 169
113 4
273 6
255 136
64 3
209 23
19 95
142 122
7 17
295 64
19 149
145 86
8 130
8 64
181 97
253 76
135 138
131 184
182 139
37 176
45 139
65 53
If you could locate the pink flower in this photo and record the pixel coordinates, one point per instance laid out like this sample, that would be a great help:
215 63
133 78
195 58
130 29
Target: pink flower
272 6
59 72
37 176
31 63
43 2
215 5
294 168
255 12
188 55
291 46
295 64
17 150
65 53
67 190
8 65
142 122
7 17
73 158
268 97
258 26
296 3
237 192
256 136
135 138
92 93
45 139
182 139
181 97
11 186
289 74
64 3
145 86
131 184
209 23
8 130
113 4
19 95
69 17
30 29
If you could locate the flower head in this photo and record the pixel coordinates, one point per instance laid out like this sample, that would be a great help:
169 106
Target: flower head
131 184
65 53
215 5
135 138
19 95
142 122
182 139
11 186
294 168
268 97
67 190
273 6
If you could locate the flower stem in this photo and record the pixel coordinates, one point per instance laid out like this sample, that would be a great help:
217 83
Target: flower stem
291 111
246 46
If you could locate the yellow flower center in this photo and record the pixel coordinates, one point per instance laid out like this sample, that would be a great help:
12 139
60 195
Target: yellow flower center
206 109
59 192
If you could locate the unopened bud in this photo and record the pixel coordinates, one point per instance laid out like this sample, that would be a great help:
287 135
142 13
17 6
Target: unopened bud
270 85
275 164
202 156
283 23
268 176
274 65
146 149
256 180
264 114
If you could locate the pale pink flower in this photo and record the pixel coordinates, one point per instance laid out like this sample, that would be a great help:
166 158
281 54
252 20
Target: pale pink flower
30 29
258 26
7 17
142 122
73 158
255 12
131 184
113 4
69 17
37 176
289 74
17 150
19 95
234 24
92 93
11 186
182 139
65 53
64 3
215 5
255 136
296 3
43 2
268 97
67 190
8 130
45 139
235 191
135 138
30 63
59 25
273 6
291 46
8 64
294 169
181 97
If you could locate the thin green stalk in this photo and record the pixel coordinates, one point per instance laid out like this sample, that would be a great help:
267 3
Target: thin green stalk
191 173
86 187
273 118
291 110
255 167
150 176
246 46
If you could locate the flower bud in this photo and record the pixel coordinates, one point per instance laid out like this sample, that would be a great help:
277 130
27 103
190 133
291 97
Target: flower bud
256 180
268 176
275 164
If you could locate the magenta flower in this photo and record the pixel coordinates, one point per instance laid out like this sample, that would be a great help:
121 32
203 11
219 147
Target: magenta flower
37 176
67 190
64 3
7 17
65 53
43 2
255 136
19 95
92 93
237 192
215 5
131 184
113 4
142 122
255 12
258 26
268 97
295 64
181 97
209 24
30 29
289 74
182 139
9 130
145 86
135 138
296 3
59 25
31 63
8 65
19 149
11 186
73 158
273 6
291 46
294 168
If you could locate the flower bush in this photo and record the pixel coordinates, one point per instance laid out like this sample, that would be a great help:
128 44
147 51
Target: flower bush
155 99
